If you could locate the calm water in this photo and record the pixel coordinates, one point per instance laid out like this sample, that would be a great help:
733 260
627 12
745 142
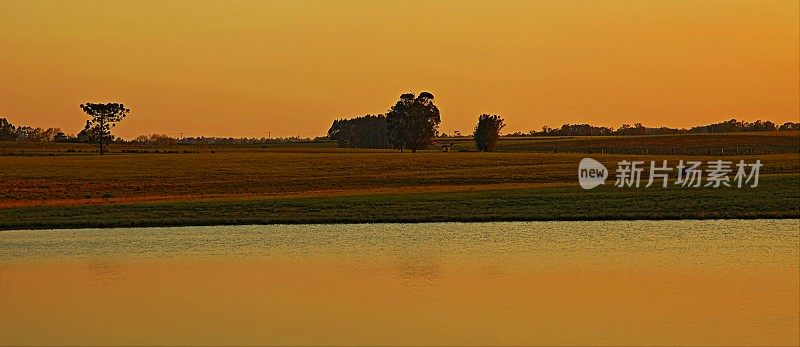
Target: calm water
664 282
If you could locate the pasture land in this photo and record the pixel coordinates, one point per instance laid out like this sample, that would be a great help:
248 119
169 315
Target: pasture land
236 185
772 142
683 144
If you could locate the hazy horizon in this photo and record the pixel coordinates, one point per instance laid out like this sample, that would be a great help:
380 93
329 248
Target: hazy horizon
246 69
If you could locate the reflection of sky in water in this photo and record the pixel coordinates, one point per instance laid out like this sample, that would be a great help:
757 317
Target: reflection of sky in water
104 272
417 271
644 282
421 246
415 256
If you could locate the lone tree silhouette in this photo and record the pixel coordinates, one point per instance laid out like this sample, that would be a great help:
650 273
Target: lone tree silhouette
413 122
487 132
104 117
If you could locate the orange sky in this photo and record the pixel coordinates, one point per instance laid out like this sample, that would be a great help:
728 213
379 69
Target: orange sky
246 68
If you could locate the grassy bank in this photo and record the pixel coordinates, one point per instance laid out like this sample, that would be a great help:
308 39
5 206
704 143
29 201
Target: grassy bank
339 185
93 179
777 197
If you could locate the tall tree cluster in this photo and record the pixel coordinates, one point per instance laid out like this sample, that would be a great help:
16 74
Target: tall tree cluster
10 132
361 132
487 132
413 122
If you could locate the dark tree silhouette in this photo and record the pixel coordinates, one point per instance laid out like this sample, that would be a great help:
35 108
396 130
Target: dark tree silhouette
413 122
104 117
732 125
487 132
789 126
735 126
7 130
361 132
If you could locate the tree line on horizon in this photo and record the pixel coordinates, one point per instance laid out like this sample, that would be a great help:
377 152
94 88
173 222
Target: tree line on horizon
376 131
411 124
10 132
22 133
731 125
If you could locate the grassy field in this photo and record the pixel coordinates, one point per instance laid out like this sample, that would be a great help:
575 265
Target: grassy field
53 188
772 142
692 144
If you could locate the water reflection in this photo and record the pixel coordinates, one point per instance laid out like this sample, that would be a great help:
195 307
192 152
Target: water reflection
418 271
670 282
104 273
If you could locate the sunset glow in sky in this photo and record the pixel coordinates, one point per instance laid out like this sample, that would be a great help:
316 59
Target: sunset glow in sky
218 68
